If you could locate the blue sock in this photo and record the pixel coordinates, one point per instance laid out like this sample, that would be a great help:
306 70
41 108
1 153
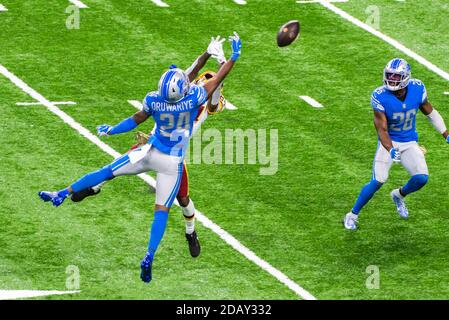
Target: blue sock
92 179
414 184
366 194
157 230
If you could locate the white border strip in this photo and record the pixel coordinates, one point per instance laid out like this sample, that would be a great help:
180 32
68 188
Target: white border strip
240 2
160 3
21 294
229 239
311 101
136 104
385 38
3 8
79 4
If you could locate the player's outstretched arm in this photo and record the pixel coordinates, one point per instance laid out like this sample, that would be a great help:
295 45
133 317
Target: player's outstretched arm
381 124
435 119
126 125
215 49
213 83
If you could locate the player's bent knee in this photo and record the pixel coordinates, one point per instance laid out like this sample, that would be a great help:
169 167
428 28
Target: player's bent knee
183 201
159 207
377 183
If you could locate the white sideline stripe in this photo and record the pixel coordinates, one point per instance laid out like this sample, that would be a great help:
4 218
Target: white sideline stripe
3 8
160 3
229 239
79 4
447 93
318 1
241 2
386 38
17 294
40 104
311 101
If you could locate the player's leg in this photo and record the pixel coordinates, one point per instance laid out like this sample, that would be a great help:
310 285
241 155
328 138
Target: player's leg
168 180
93 191
412 158
381 168
188 211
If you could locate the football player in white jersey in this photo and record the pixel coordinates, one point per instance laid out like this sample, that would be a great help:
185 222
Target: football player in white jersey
395 106
173 107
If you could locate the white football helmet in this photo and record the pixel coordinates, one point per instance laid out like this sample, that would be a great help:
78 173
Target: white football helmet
397 74
174 85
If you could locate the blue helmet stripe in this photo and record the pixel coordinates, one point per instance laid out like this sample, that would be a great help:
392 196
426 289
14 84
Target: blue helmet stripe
165 84
395 63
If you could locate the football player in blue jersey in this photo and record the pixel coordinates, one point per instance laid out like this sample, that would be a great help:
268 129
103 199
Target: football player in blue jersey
395 106
174 108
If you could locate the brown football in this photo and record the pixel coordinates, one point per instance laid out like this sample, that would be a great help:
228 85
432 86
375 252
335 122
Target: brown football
288 33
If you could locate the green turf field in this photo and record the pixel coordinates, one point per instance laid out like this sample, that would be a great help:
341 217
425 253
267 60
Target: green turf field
291 219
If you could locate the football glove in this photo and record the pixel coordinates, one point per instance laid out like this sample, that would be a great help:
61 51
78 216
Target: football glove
215 49
142 138
395 155
236 44
103 130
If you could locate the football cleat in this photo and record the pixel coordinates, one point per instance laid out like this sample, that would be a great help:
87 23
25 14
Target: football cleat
146 266
398 200
54 197
350 221
194 244
81 195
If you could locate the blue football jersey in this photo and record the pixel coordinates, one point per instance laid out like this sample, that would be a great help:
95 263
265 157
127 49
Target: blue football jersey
401 115
174 121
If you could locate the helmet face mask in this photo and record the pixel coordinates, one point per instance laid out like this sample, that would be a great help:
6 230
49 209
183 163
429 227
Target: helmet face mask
174 85
397 74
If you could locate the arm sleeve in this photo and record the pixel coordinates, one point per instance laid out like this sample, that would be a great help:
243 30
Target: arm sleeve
437 121
124 126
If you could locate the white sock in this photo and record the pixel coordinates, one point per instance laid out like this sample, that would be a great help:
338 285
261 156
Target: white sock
189 216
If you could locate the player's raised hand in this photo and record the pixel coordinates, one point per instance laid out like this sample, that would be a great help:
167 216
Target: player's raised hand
395 155
215 49
236 44
103 130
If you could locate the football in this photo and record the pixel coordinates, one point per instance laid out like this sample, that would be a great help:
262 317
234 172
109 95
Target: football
288 33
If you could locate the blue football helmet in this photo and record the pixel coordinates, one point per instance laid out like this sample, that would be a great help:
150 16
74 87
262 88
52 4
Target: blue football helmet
397 74
174 85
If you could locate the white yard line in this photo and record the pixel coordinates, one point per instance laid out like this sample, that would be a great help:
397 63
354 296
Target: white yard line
160 3
240 2
3 8
446 93
136 104
40 104
318 1
311 101
229 239
79 4
21 294
386 38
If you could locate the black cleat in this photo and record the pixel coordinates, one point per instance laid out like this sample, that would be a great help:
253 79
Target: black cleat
194 244
81 195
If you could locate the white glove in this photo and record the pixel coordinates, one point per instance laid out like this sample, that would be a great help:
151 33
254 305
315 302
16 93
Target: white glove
215 49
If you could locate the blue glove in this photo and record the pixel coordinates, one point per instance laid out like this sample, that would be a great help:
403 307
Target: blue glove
103 130
395 155
236 44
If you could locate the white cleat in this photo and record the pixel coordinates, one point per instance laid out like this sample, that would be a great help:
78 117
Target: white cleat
350 221
398 200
